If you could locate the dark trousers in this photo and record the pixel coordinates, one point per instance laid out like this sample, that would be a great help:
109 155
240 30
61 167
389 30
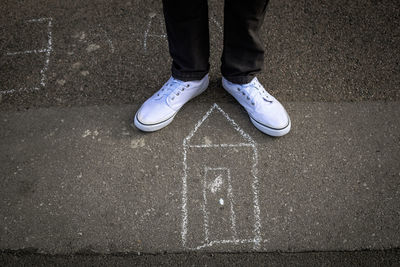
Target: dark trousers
188 38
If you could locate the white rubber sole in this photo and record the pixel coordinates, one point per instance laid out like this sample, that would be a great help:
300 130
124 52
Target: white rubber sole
158 126
152 127
271 131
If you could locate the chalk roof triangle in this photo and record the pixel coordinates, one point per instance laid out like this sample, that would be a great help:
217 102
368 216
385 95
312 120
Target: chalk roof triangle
217 127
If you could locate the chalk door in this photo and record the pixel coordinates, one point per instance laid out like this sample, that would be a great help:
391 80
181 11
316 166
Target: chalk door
218 205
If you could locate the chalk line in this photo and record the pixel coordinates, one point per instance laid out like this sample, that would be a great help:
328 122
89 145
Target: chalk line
47 52
157 35
218 242
236 126
27 52
205 213
221 145
12 91
108 39
147 34
39 20
233 216
257 225
184 198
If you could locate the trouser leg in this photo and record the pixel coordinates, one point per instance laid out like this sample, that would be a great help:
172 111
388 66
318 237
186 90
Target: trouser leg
243 52
188 38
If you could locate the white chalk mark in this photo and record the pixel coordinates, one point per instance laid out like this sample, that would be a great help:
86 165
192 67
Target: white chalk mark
221 145
218 25
157 35
215 186
230 195
232 122
221 201
217 242
27 52
184 198
12 91
147 34
86 133
108 40
39 20
205 213
257 223
47 52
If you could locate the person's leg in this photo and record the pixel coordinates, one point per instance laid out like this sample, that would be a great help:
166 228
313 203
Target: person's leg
242 59
243 52
188 38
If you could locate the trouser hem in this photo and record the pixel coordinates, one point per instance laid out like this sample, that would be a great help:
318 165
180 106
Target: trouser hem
239 79
193 76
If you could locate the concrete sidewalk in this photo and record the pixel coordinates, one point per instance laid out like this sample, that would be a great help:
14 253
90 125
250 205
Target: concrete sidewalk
81 179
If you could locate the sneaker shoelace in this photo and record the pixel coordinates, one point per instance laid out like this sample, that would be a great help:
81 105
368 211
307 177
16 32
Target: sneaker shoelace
253 91
172 87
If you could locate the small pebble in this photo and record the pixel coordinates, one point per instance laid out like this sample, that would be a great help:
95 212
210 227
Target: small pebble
84 73
92 47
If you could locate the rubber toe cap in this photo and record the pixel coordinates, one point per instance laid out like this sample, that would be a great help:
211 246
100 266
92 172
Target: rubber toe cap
152 113
274 116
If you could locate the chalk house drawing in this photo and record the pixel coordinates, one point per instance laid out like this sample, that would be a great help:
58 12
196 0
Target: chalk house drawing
47 51
210 206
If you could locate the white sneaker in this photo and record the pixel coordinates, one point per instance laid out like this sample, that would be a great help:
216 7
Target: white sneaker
266 113
160 109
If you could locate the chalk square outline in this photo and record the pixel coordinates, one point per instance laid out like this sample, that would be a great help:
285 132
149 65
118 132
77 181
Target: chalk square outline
231 202
47 51
250 143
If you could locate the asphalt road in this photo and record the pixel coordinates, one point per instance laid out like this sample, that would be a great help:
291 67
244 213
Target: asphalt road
77 179
115 52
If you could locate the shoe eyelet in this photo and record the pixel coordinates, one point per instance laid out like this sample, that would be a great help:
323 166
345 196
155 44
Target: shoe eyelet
172 98
238 89
187 85
253 103
158 94
183 89
178 93
248 98
243 93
